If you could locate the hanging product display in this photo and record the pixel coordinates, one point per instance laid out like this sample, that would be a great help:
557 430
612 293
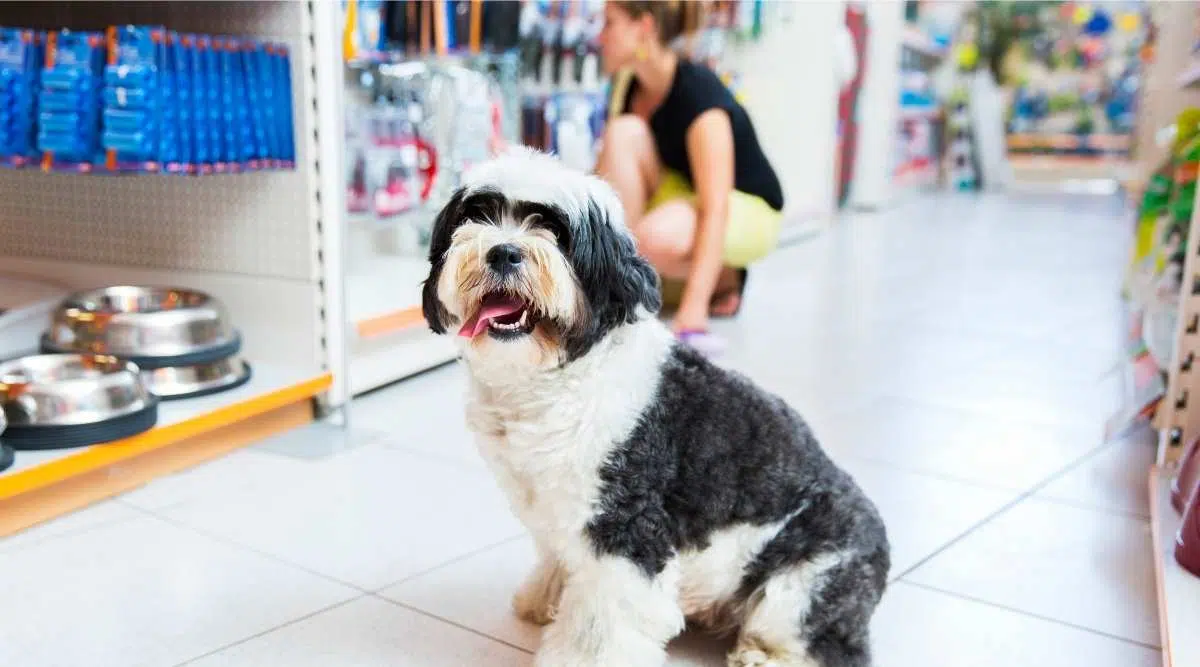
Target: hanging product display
413 129
144 99
22 53
919 146
1153 285
563 99
62 401
1074 83
181 340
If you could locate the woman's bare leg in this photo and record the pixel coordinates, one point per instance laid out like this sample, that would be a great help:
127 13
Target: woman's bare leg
629 162
666 237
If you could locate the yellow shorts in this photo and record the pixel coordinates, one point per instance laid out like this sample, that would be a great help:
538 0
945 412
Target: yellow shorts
753 227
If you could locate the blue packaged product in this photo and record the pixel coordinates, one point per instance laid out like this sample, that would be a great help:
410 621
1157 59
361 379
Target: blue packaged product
201 127
180 59
272 128
69 101
235 115
257 152
170 152
284 105
212 91
133 115
222 86
21 55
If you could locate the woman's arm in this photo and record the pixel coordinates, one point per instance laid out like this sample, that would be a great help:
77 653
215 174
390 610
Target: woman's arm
710 151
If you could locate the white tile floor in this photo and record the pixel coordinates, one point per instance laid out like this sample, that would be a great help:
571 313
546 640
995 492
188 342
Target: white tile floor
954 353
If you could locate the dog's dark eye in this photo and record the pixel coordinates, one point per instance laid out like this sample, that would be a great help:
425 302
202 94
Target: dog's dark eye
545 217
484 206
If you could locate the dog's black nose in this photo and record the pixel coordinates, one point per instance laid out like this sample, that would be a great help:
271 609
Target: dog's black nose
504 257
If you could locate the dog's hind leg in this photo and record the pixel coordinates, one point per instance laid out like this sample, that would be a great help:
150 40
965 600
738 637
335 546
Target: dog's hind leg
812 614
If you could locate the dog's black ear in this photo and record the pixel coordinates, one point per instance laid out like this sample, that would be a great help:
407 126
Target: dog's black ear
444 224
616 280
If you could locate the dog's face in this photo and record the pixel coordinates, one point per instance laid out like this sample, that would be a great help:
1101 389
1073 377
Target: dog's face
532 264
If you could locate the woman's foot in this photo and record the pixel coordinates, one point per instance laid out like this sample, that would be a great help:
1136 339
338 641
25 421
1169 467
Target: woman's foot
726 305
728 299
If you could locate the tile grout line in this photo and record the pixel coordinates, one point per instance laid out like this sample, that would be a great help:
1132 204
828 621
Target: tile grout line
452 561
1021 497
460 626
1081 505
233 543
1028 614
268 631
361 592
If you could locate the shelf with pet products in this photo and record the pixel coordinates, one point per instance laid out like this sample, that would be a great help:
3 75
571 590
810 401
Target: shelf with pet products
1162 295
149 323
1175 309
422 105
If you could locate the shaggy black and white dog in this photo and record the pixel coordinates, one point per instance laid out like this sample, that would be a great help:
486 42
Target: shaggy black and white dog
658 487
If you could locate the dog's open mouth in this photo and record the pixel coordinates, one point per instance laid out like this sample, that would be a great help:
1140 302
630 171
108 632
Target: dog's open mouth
501 315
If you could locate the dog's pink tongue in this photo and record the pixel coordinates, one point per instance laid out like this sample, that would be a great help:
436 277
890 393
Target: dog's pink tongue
492 308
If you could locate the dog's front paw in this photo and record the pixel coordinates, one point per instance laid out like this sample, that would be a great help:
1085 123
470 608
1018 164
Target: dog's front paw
755 656
533 607
537 599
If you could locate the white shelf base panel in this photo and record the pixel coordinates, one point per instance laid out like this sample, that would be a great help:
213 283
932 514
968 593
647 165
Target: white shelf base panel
374 364
276 316
377 285
266 379
1179 590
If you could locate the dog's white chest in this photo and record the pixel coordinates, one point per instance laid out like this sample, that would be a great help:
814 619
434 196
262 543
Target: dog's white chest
547 465
546 442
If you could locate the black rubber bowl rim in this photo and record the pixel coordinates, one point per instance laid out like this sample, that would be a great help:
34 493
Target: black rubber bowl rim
7 457
206 356
70 436
246 375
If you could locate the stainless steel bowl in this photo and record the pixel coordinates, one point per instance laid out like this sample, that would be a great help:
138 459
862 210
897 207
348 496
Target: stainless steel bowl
140 322
198 380
70 389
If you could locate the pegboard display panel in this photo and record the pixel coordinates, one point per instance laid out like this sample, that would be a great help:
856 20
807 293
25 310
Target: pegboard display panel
249 224
252 224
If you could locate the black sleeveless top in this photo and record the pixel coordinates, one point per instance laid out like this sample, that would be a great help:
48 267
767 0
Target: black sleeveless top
697 89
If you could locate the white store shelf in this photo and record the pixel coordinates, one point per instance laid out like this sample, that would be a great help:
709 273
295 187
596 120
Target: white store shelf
1178 590
266 380
389 339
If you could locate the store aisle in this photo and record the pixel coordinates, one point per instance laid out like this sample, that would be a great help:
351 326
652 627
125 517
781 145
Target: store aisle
954 353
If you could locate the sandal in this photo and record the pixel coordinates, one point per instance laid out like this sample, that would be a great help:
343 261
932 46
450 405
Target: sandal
703 341
740 290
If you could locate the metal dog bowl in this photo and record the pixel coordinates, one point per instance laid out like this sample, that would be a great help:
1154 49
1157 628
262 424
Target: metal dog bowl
155 327
54 401
200 380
